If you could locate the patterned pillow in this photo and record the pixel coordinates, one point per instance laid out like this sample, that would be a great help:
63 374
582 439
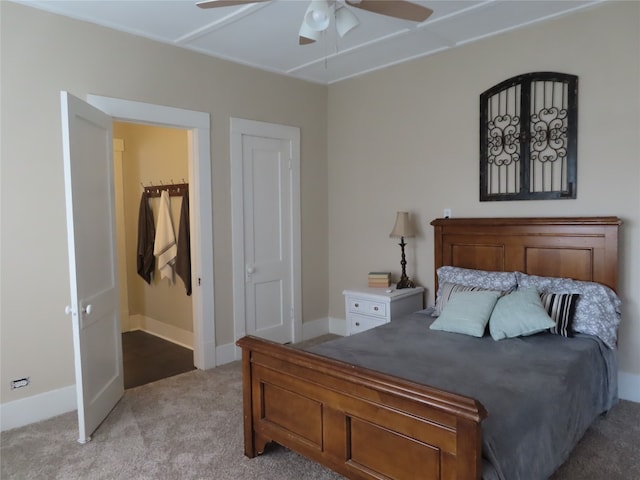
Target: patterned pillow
447 290
561 308
480 279
597 310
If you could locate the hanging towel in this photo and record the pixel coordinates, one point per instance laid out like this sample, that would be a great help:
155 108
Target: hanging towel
146 236
183 259
165 244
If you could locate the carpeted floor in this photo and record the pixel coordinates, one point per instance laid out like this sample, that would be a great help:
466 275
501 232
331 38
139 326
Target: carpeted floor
190 427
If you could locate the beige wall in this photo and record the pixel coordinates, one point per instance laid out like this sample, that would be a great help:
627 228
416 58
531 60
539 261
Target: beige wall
407 138
43 54
153 155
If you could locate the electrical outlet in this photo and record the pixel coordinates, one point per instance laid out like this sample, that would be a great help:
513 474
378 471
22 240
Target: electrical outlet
19 383
446 213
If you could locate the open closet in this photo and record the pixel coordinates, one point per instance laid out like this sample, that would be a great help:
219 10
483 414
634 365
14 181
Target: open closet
156 315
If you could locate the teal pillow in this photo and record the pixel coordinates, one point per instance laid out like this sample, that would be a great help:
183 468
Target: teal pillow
520 313
467 313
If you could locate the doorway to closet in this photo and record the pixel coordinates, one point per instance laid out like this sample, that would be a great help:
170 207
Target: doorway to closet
156 317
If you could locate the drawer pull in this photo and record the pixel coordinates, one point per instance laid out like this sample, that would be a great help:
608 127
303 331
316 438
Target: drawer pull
357 324
357 305
375 308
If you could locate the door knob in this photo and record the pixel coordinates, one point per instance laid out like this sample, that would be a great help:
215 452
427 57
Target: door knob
87 309
250 270
68 310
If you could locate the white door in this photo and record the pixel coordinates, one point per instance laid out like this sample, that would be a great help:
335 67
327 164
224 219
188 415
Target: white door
266 215
89 190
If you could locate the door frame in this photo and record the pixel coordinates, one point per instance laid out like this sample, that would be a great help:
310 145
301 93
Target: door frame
239 127
118 158
198 127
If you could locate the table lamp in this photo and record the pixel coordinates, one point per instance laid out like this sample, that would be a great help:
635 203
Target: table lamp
403 228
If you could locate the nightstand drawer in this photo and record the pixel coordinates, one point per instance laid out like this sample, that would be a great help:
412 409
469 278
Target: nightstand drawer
371 307
360 323
365 307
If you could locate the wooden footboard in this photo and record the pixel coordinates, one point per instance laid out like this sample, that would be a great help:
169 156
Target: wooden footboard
357 422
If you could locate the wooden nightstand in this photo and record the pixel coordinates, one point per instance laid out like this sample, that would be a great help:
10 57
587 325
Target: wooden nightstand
370 307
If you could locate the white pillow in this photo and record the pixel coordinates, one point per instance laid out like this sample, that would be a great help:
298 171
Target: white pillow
467 313
519 314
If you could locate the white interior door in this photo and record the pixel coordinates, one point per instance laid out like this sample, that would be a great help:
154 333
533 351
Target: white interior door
265 162
89 191
267 242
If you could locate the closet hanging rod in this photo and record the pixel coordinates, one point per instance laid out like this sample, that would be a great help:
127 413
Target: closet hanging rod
174 189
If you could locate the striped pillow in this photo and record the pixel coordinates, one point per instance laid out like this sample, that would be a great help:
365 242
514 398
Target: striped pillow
561 308
448 289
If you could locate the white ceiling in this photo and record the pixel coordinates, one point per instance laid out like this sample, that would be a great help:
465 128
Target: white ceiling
265 35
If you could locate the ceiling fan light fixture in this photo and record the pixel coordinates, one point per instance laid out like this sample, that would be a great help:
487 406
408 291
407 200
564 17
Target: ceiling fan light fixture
308 34
345 21
317 16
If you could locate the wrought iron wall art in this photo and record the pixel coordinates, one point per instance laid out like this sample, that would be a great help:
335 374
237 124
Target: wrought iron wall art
529 138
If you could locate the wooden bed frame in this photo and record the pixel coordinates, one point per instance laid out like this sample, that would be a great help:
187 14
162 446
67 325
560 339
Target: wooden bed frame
367 425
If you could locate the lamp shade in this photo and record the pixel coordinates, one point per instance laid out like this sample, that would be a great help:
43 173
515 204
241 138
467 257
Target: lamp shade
317 16
403 226
345 21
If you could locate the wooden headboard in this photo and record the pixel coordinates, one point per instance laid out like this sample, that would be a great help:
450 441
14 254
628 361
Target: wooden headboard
582 248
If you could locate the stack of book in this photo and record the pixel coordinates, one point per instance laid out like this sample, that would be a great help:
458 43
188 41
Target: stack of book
379 279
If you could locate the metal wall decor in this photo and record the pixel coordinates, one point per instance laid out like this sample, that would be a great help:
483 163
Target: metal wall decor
529 138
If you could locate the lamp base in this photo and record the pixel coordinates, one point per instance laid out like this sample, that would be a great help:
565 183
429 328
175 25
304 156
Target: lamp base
405 283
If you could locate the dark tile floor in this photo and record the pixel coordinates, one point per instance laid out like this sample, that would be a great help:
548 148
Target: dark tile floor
148 358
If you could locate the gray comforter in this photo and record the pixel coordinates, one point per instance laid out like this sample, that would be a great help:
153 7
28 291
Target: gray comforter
541 392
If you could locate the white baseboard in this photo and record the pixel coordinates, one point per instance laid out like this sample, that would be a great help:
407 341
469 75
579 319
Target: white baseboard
323 326
209 356
315 328
338 326
24 411
629 386
159 329
227 353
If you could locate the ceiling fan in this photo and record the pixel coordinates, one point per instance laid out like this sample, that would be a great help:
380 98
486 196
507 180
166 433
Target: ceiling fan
318 15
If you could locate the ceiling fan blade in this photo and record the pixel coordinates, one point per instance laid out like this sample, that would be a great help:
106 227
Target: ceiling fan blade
225 3
394 8
304 40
